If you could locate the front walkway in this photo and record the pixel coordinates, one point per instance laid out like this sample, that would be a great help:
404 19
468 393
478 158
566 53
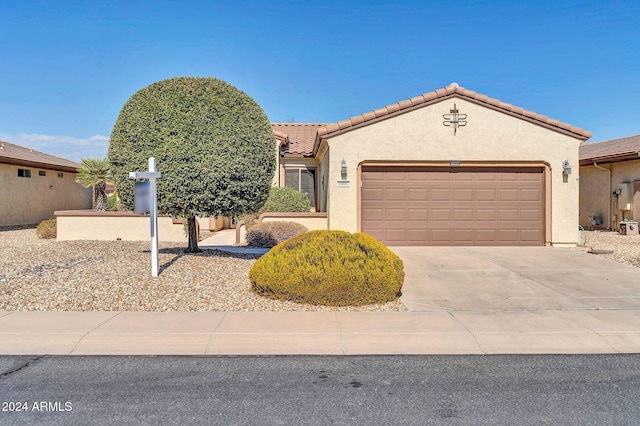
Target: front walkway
321 333
225 240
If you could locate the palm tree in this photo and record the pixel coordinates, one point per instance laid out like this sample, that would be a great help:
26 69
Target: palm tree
95 172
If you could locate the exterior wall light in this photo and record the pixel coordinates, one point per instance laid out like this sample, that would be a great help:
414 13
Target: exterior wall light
343 169
566 168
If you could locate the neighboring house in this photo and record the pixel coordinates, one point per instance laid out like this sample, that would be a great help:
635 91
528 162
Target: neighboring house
33 185
450 167
610 182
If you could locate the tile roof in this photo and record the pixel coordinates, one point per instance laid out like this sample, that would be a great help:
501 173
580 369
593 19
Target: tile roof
438 95
296 139
19 155
621 149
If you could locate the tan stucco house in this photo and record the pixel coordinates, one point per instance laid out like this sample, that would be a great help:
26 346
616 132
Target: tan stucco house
449 167
33 185
610 182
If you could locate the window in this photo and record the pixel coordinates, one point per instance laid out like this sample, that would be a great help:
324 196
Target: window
25 173
42 173
303 180
60 174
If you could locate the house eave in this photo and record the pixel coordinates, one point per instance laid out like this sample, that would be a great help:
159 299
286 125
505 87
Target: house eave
39 165
616 158
406 106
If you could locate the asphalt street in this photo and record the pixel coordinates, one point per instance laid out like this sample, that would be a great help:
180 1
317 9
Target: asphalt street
321 390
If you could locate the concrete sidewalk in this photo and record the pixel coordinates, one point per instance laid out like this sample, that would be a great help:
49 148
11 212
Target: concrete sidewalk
320 333
461 300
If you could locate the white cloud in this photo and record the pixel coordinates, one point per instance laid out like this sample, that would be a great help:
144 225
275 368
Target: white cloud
68 147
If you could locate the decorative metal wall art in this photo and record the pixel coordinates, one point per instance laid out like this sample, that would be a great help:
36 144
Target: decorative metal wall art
454 119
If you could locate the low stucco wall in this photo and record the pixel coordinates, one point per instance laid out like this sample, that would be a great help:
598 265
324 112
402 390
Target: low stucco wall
126 226
26 201
110 226
312 221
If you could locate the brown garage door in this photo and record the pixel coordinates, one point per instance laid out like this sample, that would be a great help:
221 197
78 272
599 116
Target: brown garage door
453 206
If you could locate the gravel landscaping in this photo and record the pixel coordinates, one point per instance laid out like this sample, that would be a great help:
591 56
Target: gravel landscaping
45 275
38 274
626 248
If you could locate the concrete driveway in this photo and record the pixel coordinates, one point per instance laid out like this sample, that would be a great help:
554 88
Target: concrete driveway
515 279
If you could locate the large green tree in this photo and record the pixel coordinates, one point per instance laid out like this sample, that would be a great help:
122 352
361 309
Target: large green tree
212 143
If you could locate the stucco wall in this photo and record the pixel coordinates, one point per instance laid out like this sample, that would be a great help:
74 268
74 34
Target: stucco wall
596 195
126 226
111 226
25 201
312 222
489 136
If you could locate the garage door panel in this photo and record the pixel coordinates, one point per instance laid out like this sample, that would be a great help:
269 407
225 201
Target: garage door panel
486 177
444 206
530 235
401 176
372 214
440 176
463 176
439 194
465 194
377 233
508 215
463 215
486 236
418 236
441 235
531 195
421 194
417 215
510 194
397 235
440 215
463 236
486 194
419 176
508 177
531 215
395 195
508 236
372 194
531 177
395 215
486 215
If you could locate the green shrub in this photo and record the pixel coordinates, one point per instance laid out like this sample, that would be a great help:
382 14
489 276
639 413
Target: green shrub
112 203
47 229
269 234
285 200
332 268
280 200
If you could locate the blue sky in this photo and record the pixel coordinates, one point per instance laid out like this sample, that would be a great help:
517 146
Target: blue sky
69 66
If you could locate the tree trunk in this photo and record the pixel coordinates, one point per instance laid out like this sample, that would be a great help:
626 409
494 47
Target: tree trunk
192 228
100 196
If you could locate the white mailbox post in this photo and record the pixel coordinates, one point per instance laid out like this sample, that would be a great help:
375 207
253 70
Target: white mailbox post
152 175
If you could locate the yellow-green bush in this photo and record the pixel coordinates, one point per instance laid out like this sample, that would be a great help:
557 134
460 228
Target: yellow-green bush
47 229
332 268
